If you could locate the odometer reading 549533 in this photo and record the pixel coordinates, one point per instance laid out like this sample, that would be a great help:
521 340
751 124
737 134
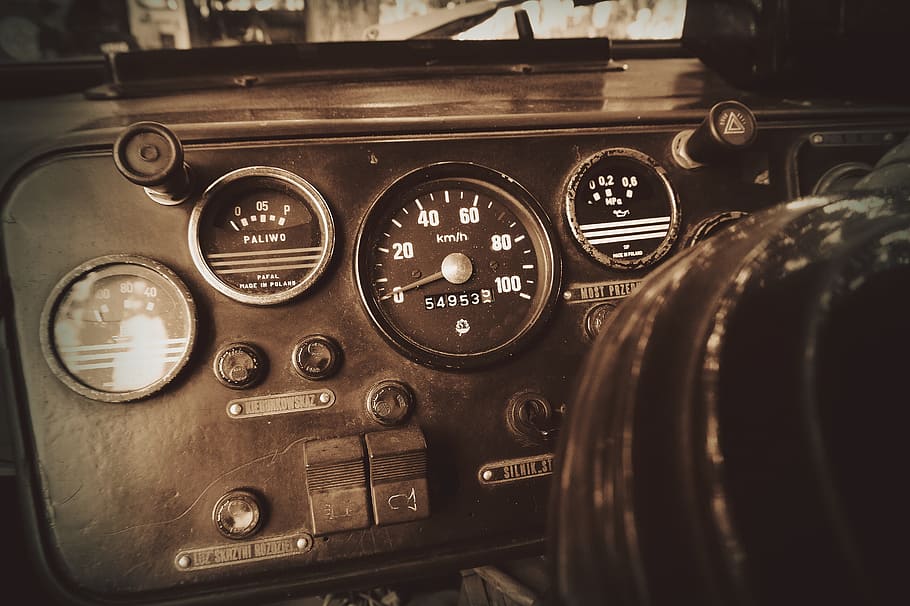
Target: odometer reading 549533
455 265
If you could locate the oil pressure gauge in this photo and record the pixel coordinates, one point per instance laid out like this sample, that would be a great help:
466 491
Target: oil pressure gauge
622 209
261 235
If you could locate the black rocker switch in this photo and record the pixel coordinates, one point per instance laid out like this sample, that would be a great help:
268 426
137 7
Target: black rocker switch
398 475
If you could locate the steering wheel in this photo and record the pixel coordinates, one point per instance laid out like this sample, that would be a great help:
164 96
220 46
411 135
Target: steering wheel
735 439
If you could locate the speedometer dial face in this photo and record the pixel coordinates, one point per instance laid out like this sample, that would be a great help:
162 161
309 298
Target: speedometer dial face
455 265
622 210
261 235
118 328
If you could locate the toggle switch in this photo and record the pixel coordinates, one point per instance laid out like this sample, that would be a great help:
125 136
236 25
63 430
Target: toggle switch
336 485
398 475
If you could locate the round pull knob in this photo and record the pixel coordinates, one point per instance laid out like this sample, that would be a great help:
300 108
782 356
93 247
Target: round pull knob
317 357
729 126
237 514
389 402
239 365
150 154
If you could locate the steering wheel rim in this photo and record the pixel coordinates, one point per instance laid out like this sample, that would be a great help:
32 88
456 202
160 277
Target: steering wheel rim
653 500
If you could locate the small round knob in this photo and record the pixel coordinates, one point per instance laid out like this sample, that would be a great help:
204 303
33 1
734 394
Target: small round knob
237 514
239 365
317 357
596 317
530 418
729 126
150 154
389 402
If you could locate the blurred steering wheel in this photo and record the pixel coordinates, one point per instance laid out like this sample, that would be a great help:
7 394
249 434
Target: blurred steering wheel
735 439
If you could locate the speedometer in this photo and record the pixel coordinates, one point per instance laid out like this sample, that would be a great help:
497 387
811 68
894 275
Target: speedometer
455 265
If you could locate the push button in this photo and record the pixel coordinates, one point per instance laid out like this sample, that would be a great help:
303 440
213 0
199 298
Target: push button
336 485
398 475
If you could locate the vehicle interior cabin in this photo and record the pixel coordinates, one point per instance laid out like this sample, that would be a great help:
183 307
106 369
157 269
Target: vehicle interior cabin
454 303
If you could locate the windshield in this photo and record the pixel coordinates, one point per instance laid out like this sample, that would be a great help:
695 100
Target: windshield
55 30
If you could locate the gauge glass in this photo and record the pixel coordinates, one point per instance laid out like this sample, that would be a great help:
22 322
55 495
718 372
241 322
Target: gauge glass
622 209
455 265
118 328
261 235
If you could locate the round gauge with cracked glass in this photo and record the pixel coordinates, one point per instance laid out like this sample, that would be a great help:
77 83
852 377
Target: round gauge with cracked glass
261 235
118 328
622 209
456 266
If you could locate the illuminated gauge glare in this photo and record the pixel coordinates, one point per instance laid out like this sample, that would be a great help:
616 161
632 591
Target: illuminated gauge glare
455 265
622 209
118 328
261 235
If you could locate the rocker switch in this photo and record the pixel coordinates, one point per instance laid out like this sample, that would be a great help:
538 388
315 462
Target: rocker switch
398 475
336 485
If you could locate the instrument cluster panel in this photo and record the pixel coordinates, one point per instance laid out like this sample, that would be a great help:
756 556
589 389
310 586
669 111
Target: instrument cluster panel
335 354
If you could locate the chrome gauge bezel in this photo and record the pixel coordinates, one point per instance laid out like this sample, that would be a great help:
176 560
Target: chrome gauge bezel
523 204
583 242
46 335
306 193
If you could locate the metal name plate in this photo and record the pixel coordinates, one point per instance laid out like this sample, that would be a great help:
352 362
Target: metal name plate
512 470
603 291
279 404
241 553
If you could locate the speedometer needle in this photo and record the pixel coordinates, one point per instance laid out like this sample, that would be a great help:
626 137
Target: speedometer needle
432 278
456 269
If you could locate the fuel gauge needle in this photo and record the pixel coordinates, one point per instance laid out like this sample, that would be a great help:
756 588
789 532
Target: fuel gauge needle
456 269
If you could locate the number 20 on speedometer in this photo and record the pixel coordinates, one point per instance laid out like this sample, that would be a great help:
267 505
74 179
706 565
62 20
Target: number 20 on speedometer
455 265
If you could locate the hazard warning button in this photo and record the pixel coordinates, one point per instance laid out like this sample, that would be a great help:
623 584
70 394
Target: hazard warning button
729 126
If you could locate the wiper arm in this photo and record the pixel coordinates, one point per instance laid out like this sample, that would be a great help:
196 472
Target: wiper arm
438 22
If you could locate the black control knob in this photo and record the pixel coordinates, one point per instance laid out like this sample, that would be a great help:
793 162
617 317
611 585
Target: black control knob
239 365
729 126
596 318
237 515
317 357
150 154
389 402
530 417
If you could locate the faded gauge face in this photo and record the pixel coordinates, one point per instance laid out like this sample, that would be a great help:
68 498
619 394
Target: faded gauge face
261 235
455 268
120 330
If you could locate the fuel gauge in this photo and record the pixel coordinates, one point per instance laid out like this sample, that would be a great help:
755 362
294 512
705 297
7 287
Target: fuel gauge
261 235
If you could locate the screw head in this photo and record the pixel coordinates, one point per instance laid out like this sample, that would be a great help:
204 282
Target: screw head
487 475
325 398
235 409
184 561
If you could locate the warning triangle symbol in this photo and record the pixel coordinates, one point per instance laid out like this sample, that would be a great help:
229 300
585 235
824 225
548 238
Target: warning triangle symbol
734 125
